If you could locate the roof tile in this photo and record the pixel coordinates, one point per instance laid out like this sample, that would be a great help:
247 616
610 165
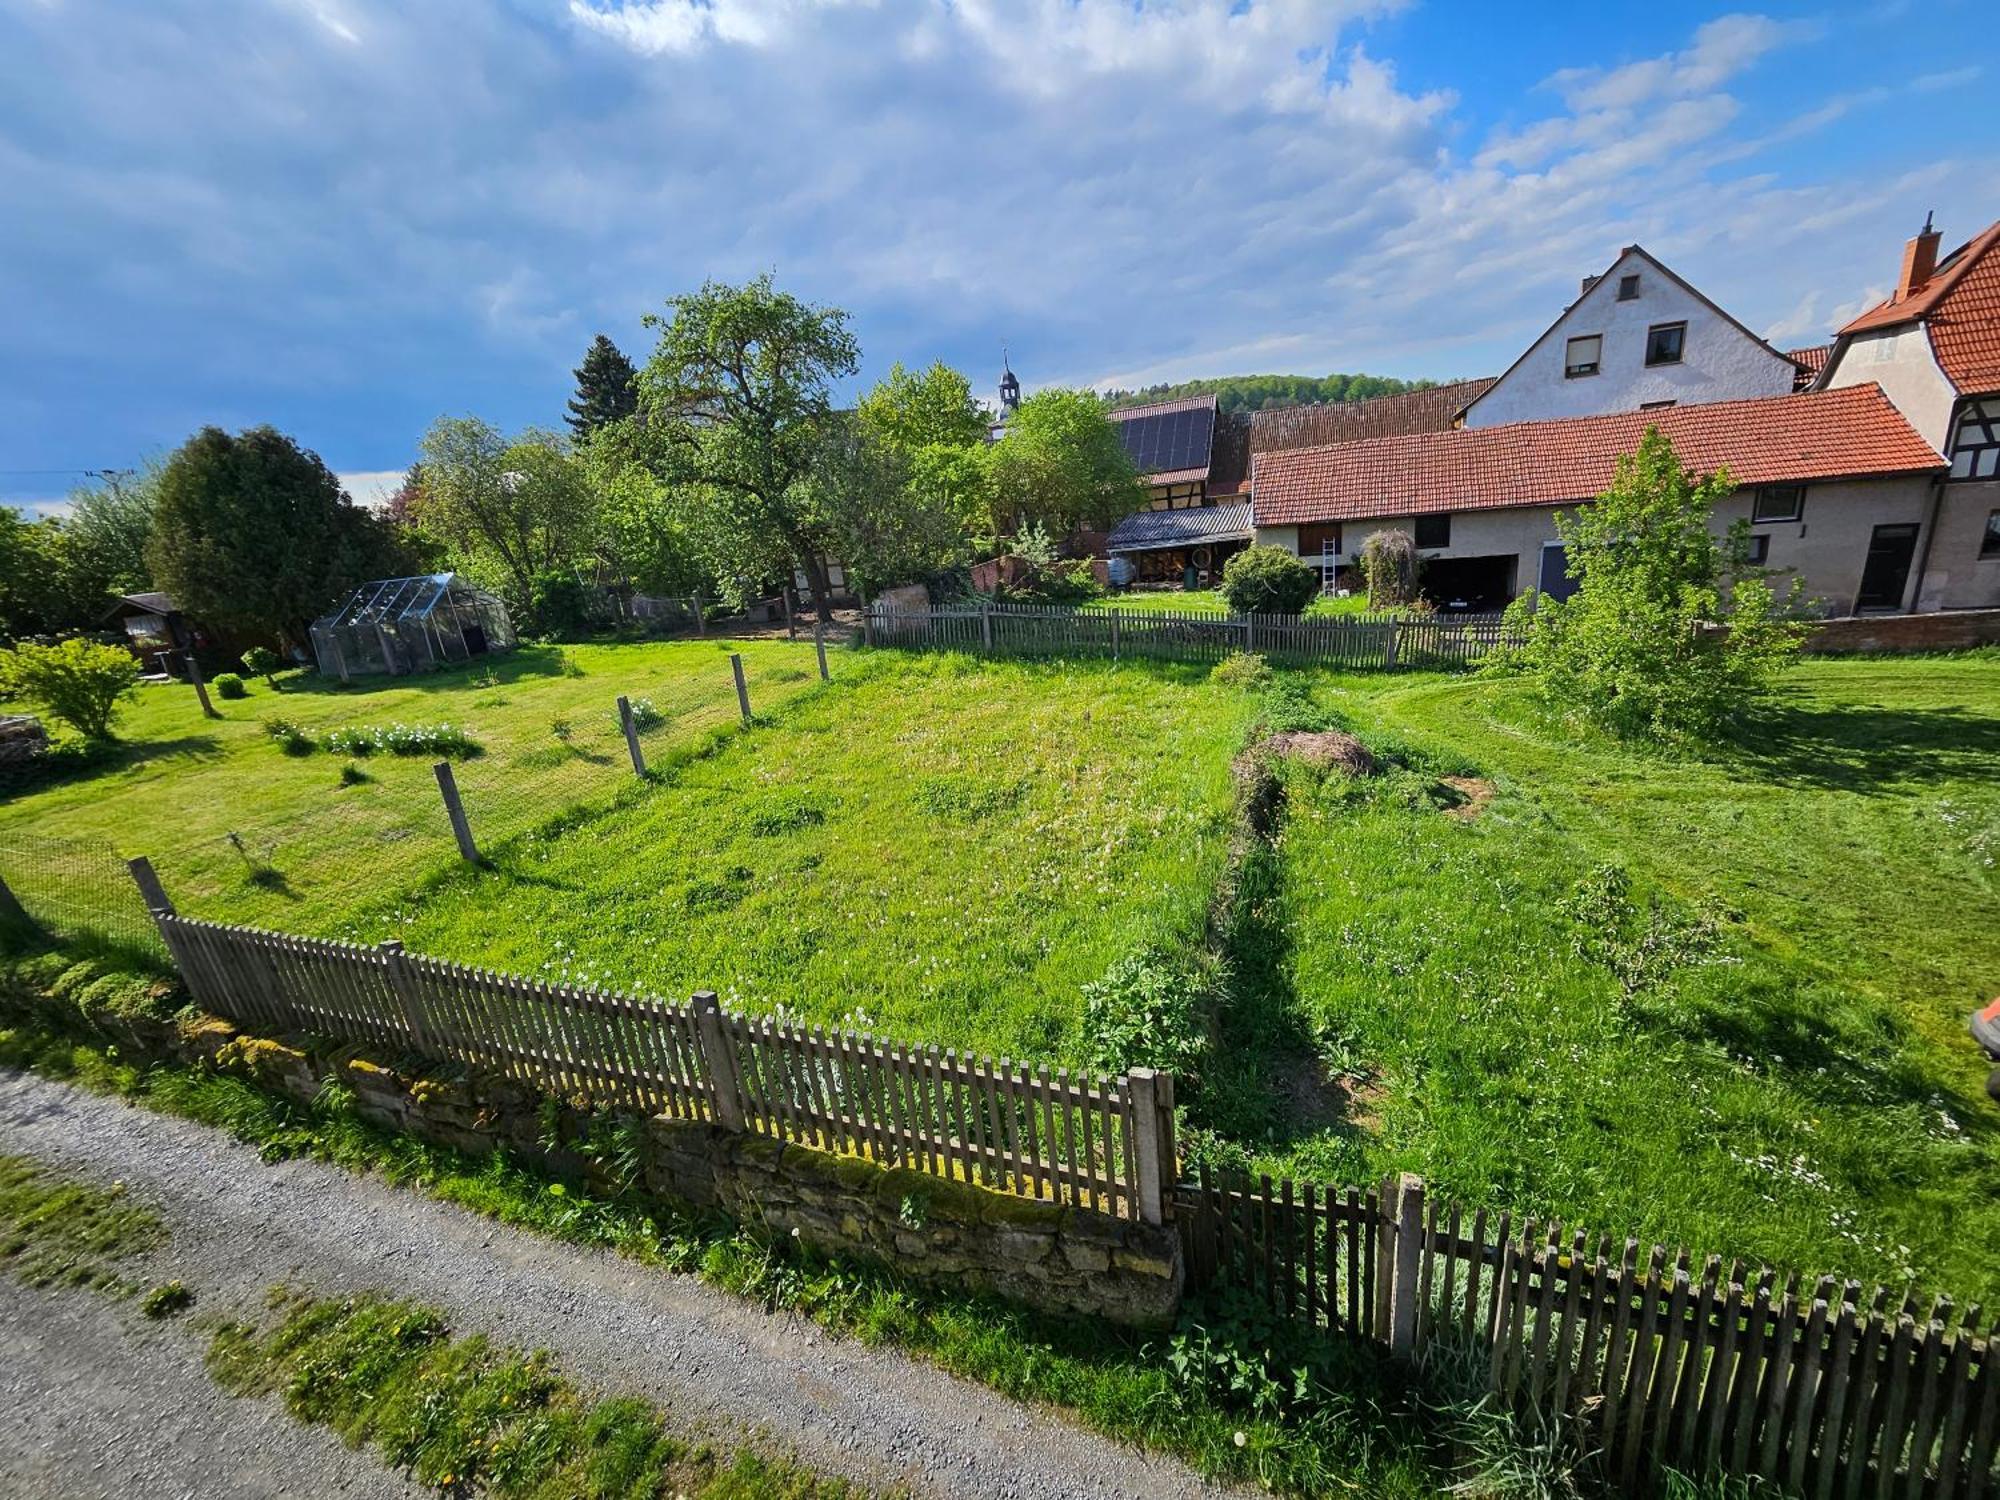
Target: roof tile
1432 409
1848 433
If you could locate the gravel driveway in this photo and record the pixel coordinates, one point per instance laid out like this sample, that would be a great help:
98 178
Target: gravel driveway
711 1361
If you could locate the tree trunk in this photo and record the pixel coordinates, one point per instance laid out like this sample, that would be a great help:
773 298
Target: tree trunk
814 567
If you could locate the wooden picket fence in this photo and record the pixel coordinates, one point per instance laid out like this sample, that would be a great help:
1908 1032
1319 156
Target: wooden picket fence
1653 1361
1104 1144
1356 641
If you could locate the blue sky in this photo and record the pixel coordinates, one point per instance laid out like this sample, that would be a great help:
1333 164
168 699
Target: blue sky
347 217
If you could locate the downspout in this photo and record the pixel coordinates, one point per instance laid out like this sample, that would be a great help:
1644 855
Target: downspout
1930 530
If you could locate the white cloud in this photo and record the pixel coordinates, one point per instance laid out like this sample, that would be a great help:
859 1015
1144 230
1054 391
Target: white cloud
371 487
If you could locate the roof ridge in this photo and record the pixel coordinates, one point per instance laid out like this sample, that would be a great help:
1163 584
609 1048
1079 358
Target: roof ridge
1185 403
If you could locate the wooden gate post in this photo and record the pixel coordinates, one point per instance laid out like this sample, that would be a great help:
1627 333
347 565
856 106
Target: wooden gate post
403 985
150 888
631 735
1149 1166
720 1058
1249 632
1389 646
742 687
986 628
868 625
791 625
819 646
200 687
455 810
1399 1260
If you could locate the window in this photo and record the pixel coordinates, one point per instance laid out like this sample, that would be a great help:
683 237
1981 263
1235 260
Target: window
1664 342
1654 405
1580 356
1628 288
1433 531
1989 545
1779 502
1760 549
1975 446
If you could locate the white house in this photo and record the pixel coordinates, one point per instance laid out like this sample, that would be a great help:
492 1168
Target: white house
1637 338
1934 347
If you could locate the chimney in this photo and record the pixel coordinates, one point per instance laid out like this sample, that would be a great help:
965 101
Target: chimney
1588 283
1919 261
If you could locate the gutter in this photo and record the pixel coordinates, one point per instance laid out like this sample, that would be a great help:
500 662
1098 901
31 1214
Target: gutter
1930 532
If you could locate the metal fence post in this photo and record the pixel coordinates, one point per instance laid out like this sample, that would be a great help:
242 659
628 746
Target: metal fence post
631 735
455 810
200 687
1399 1256
1148 1165
720 1057
742 687
819 646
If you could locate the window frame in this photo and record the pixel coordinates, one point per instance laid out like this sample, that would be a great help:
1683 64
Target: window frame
1680 349
1628 287
1760 549
1989 543
1572 370
1433 518
1979 460
1759 497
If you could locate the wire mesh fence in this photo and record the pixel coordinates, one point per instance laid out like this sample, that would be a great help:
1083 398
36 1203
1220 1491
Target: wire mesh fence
336 851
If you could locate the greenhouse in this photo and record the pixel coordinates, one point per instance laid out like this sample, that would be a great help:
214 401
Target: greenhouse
399 625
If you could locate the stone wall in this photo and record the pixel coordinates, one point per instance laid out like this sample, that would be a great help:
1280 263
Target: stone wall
1943 630
930 1229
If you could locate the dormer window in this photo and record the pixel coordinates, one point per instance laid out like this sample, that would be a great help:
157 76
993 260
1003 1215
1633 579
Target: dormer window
1628 288
1664 343
1581 355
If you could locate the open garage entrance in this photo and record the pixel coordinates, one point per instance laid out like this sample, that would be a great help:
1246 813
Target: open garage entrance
1469 585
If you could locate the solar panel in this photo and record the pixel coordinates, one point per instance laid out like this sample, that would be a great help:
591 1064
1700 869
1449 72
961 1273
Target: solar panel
1169 441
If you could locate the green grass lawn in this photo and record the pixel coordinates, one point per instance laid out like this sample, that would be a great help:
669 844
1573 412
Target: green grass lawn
1210 602
1798 1087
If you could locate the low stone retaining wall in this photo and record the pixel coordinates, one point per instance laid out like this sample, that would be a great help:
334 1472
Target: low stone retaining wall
1941 630
955 1234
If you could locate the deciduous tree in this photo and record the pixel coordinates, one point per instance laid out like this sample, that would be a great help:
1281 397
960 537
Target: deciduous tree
1061 466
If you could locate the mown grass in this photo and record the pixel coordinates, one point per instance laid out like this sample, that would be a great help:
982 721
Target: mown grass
1710 1000
59 1231
946 849
243 832
466 1416
1211 602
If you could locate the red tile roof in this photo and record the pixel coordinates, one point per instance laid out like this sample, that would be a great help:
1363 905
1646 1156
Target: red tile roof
1850 433
1161 408
1810 360
1960 310
1430 410
1955 266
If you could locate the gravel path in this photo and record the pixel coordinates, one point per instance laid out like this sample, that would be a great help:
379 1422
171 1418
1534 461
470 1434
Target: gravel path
97 1403
710 1360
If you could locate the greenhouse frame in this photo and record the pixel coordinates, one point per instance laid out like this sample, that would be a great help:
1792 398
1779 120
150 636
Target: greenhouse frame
400 625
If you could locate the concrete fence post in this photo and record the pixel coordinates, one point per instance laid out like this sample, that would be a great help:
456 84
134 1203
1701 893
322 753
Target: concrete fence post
819 646
631 729
403 985
742 687
200 686
1149 1164
455 810
720 1057
1400 1259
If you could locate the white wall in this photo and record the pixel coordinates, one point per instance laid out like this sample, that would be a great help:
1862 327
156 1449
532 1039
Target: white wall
1720 362
1826 547
1901 361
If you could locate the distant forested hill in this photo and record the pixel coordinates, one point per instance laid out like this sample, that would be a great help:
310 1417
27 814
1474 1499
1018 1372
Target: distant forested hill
1252 392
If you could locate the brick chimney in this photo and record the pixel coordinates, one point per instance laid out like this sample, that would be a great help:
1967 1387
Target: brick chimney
1919 261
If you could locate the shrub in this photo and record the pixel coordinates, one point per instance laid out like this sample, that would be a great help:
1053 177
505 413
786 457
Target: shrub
77 681
1150 1010
290 737
1671 630
353 775
1268 581
1391 566
229 685
263 662
1242 669
401 739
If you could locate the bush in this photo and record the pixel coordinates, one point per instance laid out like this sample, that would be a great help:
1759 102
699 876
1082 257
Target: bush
1150 1010
401 739
229 685
1242 669
1671 630
1268 581
1391 566
76 681
262 661
291 739
560 604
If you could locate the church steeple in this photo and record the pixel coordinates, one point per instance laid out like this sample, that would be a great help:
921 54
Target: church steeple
1010 388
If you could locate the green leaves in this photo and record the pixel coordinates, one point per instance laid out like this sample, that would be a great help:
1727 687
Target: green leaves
76 681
